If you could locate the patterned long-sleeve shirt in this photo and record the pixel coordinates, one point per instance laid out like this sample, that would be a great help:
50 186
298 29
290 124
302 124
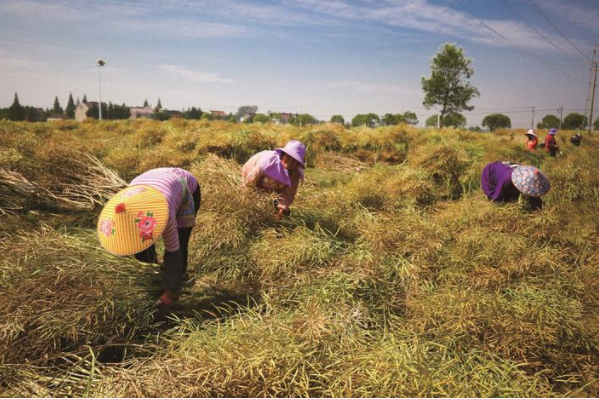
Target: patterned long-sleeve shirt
265 171
177 186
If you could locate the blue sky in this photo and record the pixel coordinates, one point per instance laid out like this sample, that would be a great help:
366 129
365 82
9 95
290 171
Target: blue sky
322 57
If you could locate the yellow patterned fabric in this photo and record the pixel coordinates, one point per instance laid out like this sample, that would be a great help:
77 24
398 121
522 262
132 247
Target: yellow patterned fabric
132 220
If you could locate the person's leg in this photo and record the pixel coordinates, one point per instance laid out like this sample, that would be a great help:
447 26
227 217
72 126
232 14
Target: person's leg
185 232
148 255
536 203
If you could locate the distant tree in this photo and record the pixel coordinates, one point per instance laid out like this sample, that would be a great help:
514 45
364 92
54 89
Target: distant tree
475 129
393 119
92 112
207 116
158 105
337 119
574 121
497 121
70 109
246 110
305 119
454 120
84 98
57 109
369 120
447 87
146 103
16 111
162 115
432 121
232 119
596 124
410 118
261 118
548 122
192 113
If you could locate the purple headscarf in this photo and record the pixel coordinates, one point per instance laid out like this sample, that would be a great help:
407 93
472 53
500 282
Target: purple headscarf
270 163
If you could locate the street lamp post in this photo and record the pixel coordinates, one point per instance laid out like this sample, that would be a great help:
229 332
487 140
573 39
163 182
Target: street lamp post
100 63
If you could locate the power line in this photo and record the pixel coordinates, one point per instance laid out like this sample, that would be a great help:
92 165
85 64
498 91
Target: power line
514 44
536 7
532 28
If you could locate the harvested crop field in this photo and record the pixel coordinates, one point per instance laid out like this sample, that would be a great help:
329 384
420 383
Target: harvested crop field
393 277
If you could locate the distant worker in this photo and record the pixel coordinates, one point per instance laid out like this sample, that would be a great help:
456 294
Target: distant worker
532 140
550 143
163 203
504 182
576 139
278 171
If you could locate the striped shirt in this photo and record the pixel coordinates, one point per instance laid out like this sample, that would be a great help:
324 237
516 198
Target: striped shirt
177 186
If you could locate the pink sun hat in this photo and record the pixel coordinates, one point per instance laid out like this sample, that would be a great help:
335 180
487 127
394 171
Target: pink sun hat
296 150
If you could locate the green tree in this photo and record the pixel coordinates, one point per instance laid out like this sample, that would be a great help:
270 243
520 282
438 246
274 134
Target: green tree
16 112
393 119
207 116
497 121
84 98
246 110
337 119
454 120
57 109
158 105
146 103
261 118
447 86
192 113
432 121
574 121
370 120
305 119
410 118
596 124
70 109
548 122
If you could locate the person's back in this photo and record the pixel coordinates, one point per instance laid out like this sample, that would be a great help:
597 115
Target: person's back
550 143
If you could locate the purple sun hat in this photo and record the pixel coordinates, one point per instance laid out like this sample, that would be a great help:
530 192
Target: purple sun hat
296 150
530 181
552 131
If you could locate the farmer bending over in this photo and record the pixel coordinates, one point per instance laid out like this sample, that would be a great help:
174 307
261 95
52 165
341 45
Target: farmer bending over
504 182
160 202
278 171
532 140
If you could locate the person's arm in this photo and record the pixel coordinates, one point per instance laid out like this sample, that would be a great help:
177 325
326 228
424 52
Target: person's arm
288 195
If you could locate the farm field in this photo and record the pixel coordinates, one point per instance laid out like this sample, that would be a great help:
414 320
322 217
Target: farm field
393 277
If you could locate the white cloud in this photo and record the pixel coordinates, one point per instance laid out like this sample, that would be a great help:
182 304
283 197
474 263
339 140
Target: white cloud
583 16
194 76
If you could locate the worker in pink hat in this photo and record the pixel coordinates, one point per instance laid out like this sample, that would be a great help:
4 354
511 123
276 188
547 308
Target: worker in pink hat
531 140
278 171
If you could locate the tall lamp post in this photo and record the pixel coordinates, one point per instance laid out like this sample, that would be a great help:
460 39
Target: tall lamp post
100 63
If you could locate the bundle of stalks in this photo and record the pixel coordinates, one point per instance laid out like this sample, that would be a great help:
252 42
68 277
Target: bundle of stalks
79 181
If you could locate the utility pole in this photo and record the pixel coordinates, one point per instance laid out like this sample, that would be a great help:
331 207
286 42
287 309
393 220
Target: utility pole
532 126
561 114
591 92
100 63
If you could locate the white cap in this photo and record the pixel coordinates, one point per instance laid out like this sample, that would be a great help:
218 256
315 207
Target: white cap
531 132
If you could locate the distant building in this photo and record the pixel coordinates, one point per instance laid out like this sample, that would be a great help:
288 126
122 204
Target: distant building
283 118
82 108
219 114
142 112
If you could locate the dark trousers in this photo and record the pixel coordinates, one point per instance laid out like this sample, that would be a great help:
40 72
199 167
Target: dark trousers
175 263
